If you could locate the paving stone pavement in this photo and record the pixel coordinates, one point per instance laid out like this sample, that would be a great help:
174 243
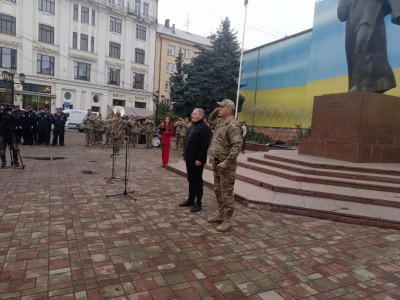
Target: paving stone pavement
61 238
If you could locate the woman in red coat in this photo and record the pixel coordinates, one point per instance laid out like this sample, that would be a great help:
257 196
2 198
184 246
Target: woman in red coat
166 132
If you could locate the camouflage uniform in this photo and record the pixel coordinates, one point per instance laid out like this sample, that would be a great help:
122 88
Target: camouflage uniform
134 132
185 127
178 135
150 126
96 129
107 130
118 131
88 121
226 146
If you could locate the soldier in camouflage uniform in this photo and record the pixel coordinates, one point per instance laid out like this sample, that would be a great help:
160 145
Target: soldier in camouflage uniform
178 131
96 129
150 126
185 126
134 131
88 121
225 148
108 127
118 130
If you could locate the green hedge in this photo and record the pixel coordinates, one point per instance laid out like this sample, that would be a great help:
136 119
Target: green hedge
258 137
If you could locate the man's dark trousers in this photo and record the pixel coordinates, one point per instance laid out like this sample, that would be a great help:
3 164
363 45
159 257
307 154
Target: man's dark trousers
58 132
195 179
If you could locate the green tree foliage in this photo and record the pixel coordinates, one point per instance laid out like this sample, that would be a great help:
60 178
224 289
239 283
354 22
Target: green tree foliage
211 76
164 110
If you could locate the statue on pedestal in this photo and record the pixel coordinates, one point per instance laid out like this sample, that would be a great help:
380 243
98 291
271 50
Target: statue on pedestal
366 49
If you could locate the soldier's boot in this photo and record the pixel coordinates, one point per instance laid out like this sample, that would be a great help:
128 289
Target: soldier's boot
16 164
226 225
3 164
219 218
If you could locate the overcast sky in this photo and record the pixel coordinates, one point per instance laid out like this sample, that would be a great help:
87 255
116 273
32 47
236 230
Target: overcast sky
267 20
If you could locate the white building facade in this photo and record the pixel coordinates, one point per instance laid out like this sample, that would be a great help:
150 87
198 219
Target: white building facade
80 54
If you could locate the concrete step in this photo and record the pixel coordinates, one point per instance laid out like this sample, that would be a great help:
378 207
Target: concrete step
289 173
283 185
260 159
313 206
292 157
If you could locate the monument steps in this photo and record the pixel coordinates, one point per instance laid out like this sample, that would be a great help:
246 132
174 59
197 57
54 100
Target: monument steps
321 190
299 174
320 171
378 169
265 191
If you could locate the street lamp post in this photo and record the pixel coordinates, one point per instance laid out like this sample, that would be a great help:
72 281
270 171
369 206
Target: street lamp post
155 100
9 77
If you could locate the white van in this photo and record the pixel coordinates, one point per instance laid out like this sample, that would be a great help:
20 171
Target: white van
74 117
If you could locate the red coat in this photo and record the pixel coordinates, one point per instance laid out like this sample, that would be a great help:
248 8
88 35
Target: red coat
166 135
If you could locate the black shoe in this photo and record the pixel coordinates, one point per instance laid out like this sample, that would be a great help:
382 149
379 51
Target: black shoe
196 207
53 144
61 144
16 164
46 144
3 165
186 203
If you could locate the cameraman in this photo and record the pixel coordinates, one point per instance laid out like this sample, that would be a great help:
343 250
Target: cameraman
8 124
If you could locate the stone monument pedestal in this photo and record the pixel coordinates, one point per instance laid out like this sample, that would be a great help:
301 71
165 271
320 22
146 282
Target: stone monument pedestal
359 127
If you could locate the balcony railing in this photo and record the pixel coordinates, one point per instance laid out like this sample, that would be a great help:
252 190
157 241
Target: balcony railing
125 10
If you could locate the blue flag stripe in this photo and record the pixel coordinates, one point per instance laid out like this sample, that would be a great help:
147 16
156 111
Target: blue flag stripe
246 2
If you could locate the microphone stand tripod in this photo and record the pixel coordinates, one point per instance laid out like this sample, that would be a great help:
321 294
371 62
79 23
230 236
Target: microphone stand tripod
14 140
113 161
125 192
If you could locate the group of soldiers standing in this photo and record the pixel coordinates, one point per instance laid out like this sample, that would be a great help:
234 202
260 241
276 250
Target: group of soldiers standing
115 128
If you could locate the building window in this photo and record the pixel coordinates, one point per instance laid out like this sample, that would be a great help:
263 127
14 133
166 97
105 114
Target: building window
84 42
75 40
167 85
171 50
185 53
113 76
47 6
8 57
11 1
76 12
111 1
93 17
170 68
81 71
139 56
45 64
7 24
115 24
140 104
138 81
115 50
92 44
137 7
85 14
46 34
117 102
141 32
146 7
96 109
121 2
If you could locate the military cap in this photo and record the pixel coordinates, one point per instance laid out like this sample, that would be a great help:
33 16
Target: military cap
228 103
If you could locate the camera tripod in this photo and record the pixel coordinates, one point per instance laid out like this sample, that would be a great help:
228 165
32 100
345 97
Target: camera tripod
125 192
13 140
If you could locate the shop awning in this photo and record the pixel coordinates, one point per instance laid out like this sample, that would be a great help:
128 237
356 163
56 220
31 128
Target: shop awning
133 111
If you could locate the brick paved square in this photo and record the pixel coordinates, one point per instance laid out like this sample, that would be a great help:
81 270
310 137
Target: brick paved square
62 238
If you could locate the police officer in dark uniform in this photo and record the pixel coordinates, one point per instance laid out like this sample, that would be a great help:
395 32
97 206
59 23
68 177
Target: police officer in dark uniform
59 120
18 132
26 121
34 128
47 140
8 123
43 122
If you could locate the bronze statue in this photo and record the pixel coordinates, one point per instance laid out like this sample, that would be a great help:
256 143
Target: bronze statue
366 49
